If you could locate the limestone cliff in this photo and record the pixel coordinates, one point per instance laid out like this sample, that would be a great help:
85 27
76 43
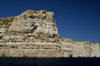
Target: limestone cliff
35 34
72 48
35 22
31 34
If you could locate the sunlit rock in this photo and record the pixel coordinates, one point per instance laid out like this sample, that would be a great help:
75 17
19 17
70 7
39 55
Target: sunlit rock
35 34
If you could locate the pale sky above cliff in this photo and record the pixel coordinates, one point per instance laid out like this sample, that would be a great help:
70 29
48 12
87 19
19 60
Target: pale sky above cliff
76 19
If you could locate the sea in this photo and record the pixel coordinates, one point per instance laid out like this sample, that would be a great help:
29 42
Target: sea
49 61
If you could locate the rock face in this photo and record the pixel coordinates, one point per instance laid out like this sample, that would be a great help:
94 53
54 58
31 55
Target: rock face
34 49
35 21
31 34
35 34
5 22
72 48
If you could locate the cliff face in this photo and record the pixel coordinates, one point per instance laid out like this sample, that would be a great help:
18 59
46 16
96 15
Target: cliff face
35 22
72 48
35 34
31 34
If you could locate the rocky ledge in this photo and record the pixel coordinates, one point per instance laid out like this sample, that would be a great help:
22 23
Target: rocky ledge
35 34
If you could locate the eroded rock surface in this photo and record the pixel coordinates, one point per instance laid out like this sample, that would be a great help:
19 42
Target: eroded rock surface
35 21
35 34
72 48
31 34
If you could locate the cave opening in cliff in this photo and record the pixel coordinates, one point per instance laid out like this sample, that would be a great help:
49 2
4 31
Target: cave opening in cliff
3 55
0 37
70 56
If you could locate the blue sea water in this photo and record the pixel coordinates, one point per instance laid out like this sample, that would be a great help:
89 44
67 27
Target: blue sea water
49 61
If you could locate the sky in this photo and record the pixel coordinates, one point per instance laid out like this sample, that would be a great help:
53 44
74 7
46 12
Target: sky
76 19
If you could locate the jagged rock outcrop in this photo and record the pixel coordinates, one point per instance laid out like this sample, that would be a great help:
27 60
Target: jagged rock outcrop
35 21
35 34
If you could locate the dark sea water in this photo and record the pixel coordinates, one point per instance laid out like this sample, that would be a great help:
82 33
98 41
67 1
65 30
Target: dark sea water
49 61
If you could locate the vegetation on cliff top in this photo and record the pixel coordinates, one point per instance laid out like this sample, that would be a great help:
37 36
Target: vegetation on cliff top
6 21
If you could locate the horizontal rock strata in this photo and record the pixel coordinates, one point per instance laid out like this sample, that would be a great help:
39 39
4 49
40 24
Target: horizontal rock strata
72 48
35 34
25 49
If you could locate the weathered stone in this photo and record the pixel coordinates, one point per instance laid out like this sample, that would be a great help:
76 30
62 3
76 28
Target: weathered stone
35 34
34 22
30 50
5 22
72 48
